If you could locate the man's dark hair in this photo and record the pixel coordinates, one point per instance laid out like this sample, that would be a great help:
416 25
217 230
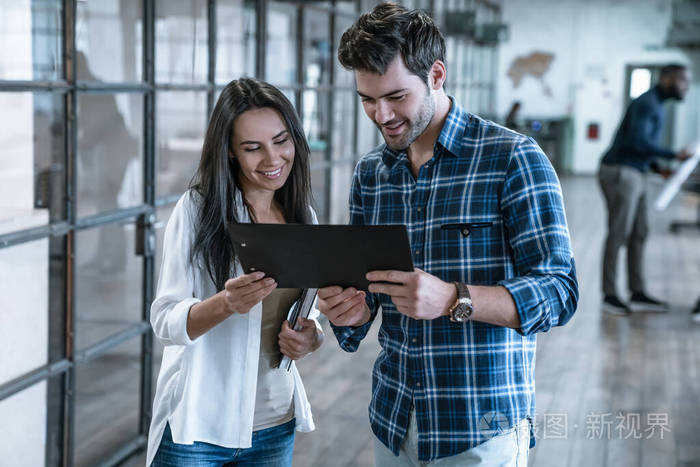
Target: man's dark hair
377 37
671 69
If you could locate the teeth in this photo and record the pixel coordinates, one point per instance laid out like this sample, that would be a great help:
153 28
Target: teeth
275 172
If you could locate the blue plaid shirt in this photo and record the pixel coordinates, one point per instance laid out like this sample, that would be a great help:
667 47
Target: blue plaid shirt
467 381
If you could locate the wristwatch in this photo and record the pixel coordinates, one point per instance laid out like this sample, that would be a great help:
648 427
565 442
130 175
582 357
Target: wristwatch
461 310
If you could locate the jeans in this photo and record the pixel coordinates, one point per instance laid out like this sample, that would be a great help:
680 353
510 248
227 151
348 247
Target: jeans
271 447
509 449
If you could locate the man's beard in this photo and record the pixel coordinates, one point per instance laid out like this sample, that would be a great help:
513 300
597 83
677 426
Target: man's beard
417 125
677 94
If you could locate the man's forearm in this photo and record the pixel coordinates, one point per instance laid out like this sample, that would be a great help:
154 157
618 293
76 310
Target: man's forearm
494 305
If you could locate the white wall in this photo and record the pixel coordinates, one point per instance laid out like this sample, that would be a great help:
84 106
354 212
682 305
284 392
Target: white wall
592 43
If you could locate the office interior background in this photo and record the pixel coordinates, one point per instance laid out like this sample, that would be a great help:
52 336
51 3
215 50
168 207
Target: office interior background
103 108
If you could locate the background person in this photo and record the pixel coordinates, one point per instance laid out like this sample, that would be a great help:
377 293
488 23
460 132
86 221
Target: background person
622 180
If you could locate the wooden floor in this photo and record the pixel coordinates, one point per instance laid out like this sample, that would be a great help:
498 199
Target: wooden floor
596 377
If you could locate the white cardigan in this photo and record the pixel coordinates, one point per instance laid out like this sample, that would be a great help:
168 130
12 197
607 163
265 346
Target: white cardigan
206 387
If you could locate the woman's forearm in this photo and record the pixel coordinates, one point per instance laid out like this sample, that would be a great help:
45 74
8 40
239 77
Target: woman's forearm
205 315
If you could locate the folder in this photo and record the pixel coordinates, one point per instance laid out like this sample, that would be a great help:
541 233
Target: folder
315 256
301 309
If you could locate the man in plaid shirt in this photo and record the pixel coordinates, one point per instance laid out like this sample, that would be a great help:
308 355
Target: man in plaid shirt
483 208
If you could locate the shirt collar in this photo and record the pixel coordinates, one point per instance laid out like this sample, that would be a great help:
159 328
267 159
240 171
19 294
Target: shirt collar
449 141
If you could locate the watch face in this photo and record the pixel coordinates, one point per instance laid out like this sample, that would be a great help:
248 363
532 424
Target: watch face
460 313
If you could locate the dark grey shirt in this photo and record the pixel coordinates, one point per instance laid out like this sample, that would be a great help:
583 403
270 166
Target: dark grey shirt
636 143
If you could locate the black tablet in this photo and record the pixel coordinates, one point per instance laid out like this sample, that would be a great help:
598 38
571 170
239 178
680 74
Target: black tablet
298 255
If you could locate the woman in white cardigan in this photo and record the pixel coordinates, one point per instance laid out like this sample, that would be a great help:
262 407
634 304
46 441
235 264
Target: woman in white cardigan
220 400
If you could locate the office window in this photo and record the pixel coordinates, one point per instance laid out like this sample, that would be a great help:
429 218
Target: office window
109 41
181 41
30 31
108 285
24 439
32 171
315 119
317 48
281 47
181 122
110 152
343 77
111 380
235 39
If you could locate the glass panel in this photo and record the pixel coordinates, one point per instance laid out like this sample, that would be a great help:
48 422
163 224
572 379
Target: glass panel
343 125
108 282
236 46
24 286
107 403
346 5
23 427
317 48
181 120
341 176
31 32
108 37
315 120
318 188
292 96
31 161
181 41
281 56
110 151
343 77
457 62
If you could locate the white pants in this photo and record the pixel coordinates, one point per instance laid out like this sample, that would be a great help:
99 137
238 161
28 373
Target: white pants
509 449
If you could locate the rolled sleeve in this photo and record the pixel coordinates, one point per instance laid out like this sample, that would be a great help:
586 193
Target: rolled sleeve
349 337
545 288
175 293
171 328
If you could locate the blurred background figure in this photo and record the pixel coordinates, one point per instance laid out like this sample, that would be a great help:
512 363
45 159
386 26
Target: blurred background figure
105 150
512 121
622 179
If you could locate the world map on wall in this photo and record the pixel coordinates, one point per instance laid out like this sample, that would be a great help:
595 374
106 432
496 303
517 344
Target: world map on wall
535 65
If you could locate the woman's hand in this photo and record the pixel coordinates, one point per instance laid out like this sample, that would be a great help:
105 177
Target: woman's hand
298 344
242 292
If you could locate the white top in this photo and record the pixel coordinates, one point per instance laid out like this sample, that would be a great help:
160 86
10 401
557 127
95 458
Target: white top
206 388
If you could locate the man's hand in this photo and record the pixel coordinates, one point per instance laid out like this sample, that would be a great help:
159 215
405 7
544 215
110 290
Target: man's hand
343 307
242 292
684 154
416 294
298 344
665 173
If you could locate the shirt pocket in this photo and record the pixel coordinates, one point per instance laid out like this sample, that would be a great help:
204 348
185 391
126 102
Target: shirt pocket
466 245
